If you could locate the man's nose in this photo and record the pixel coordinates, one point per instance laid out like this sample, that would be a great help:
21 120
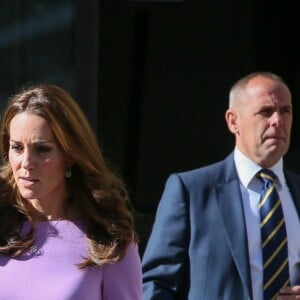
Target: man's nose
275 119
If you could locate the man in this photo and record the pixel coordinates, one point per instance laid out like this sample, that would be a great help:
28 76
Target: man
206 240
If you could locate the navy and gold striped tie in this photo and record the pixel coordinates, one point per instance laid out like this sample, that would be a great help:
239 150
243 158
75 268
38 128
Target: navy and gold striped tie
274 238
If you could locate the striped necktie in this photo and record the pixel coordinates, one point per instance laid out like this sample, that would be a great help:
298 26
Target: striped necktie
274 238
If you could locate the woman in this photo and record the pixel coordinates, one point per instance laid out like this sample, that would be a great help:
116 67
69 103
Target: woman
66 224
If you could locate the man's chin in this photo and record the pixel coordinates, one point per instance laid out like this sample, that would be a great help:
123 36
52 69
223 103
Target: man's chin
276 151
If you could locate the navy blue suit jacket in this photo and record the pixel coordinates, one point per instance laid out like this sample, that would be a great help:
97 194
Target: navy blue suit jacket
198 246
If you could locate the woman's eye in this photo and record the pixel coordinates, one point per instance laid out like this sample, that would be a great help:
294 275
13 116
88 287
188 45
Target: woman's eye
16 148
43 149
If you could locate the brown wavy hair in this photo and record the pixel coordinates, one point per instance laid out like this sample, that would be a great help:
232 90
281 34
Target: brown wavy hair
98 195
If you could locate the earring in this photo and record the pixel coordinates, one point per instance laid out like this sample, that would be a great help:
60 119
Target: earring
68 173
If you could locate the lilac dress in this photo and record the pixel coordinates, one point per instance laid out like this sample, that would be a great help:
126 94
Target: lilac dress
49 272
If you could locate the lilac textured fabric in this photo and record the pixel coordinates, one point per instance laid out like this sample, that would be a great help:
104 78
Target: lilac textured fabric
49 272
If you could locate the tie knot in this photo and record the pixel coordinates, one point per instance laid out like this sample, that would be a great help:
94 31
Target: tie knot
266 175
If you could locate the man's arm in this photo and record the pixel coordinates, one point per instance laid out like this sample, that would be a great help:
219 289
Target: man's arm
166 255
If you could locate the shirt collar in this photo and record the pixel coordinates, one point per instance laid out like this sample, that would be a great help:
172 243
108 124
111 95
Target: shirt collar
247 169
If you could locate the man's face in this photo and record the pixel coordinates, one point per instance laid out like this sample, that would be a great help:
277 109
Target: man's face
264 121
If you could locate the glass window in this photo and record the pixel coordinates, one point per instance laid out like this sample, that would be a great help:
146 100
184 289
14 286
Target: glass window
36 44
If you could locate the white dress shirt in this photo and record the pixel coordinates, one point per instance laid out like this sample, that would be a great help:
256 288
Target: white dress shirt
250 187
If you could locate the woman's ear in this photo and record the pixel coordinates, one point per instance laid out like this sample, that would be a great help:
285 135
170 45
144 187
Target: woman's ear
69 162
232 120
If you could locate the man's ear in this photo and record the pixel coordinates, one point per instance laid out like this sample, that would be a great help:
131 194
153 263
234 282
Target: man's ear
232 121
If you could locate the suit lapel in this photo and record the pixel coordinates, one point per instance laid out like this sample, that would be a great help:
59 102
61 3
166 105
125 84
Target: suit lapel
231 210
293 182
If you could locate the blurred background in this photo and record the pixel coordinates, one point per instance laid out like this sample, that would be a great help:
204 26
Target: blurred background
152 76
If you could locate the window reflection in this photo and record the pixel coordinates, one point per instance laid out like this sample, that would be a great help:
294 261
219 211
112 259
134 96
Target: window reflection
36 44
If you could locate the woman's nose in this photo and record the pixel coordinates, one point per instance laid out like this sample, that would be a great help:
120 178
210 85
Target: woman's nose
27 161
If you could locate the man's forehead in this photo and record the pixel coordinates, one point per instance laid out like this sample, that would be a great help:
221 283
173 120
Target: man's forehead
268 90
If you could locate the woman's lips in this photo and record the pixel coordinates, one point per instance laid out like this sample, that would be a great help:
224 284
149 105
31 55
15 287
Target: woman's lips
27 182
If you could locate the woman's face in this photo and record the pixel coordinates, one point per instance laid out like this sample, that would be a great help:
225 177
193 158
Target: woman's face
36 160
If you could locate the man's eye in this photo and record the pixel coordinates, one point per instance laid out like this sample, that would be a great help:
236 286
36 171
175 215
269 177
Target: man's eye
266 112
286 111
